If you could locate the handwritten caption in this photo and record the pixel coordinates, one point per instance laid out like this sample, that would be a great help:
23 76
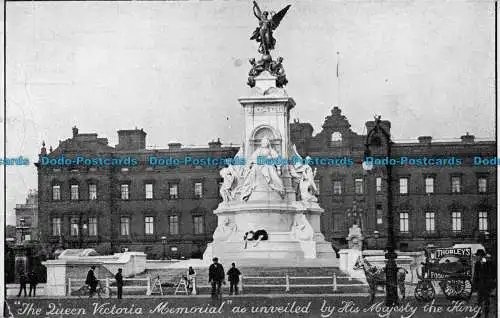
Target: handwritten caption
326 308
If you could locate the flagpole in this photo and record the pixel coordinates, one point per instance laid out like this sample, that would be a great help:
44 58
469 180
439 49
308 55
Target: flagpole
338 79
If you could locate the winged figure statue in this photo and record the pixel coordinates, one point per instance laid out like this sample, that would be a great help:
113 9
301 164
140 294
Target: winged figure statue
268 22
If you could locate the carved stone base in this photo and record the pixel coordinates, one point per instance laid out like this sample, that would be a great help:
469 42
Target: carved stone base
276 219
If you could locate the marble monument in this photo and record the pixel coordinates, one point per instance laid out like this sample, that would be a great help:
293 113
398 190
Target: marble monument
274 192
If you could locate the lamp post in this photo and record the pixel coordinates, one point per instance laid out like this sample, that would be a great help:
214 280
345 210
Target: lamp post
391 267
164 243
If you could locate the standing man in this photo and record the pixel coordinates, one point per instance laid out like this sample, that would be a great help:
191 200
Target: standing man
91 281
119 283
484 281
216 277
33 279
233 275
22 281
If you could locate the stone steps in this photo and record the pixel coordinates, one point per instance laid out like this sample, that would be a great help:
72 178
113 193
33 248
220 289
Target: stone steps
266 276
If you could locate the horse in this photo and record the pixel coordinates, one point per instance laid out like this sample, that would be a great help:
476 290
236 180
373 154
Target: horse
376 276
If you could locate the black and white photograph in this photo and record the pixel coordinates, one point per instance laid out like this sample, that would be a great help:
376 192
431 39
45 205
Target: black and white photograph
240 158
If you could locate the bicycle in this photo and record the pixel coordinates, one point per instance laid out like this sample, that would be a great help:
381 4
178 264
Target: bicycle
101 291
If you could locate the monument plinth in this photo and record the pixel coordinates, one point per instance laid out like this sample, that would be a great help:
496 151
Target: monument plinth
269 209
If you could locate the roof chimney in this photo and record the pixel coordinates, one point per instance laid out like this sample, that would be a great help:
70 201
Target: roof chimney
131 139
174 145
215 144
467 138
425 139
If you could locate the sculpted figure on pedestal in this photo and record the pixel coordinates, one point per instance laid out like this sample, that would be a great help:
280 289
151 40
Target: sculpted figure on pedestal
301 228
268 22
230 176
355 237
304 175
268 171
225 229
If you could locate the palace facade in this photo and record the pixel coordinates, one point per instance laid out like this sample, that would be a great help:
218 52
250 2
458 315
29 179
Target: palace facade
167 210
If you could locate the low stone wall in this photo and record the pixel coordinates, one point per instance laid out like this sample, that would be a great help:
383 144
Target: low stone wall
77 267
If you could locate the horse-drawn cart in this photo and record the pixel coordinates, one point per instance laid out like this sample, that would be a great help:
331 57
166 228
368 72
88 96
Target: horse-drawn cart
451 267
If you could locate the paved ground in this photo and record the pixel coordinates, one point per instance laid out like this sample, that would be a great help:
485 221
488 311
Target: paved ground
325 306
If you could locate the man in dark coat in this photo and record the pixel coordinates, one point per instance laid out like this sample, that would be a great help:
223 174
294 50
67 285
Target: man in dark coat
91 281
119 283
216 277
484 280
33 279
22 281
233 275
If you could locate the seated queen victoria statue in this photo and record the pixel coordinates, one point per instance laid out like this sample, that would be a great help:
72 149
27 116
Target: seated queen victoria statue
252 173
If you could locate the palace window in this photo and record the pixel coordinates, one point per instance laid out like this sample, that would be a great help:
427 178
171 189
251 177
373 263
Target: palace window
56 226
92 191
336 137
456 221
482 185
74 192
358 186
124 191
337 187
378 184
338 222
483 221
56 192
149 225
429 185
149 190
124 226
75 226
173 224
456 184
403 185
92 226
173 191
430 222
379 214
198 225
198 190
404 222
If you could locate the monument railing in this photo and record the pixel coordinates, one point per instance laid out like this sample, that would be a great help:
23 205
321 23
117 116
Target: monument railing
287 284
75 283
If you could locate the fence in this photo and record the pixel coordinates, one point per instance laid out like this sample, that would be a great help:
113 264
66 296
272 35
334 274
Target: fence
76 283
287 285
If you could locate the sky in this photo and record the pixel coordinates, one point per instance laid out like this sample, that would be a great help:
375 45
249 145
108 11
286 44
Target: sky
176 69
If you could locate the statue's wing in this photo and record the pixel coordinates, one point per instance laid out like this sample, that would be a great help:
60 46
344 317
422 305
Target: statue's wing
279 16
256 10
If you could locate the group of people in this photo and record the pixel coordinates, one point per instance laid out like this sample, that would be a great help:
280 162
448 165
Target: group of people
24 279
93 282
216 277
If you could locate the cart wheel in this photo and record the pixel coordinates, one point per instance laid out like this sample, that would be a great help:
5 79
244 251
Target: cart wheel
425 291
84 291
453 288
